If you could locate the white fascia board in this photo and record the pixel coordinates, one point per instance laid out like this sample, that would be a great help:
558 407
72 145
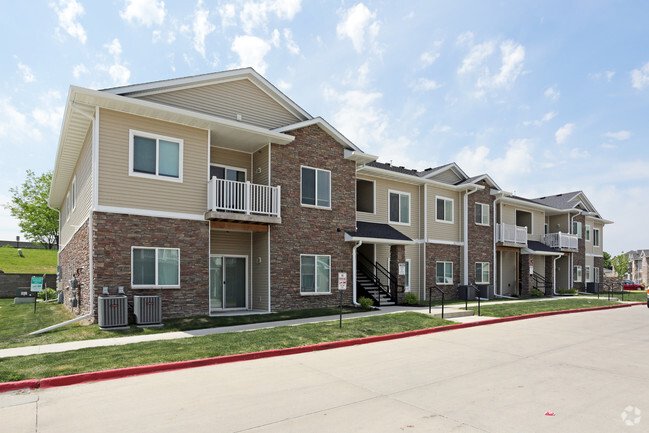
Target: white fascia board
325 126
406 178
359 157
350 238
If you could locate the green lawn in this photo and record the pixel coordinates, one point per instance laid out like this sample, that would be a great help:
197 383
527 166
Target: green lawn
628 295
519 308
35 261
19 320
156 352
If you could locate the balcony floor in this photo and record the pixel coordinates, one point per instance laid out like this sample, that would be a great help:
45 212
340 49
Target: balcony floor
242 217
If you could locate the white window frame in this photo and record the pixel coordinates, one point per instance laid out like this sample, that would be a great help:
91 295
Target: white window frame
302 167
154 286
408 275
596 237
587 274
483 207
587 233
446 199
482 265
578 225
315 279
157 137
579 276
436 279
373 196
400 194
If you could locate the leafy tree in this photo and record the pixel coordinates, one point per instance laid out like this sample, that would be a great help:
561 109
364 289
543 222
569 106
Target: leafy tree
607 260
36 219
620 264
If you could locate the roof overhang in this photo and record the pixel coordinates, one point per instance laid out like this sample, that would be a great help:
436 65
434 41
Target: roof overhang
531 205
326 127
377 233
407 178
450 166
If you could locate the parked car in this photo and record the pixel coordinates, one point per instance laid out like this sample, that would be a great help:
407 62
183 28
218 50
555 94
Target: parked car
630 285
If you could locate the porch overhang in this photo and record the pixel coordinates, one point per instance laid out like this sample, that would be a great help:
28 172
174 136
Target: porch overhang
539 249
375 233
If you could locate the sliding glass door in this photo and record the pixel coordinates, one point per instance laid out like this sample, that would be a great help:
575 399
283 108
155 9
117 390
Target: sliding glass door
228 282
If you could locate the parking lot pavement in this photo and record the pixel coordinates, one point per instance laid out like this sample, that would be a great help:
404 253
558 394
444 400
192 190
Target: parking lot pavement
589 369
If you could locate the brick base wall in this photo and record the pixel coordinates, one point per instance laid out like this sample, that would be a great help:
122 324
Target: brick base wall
74 260
549 274
443 253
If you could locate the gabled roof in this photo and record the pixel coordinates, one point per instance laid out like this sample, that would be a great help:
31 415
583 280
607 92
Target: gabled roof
451 166
568 200
326 127
476 179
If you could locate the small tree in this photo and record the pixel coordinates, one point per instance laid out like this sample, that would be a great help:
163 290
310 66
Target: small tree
36 219
607 260
620 264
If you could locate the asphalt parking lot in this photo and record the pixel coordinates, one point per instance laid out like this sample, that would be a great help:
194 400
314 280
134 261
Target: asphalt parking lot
590 370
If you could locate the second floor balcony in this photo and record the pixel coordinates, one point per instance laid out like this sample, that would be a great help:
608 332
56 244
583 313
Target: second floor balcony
230 200
511 234
561 241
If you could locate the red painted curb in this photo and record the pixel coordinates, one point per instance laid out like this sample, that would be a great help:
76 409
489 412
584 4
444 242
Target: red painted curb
96 376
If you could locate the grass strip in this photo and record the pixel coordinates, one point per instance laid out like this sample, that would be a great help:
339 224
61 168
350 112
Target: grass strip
510 309
34 261
157 352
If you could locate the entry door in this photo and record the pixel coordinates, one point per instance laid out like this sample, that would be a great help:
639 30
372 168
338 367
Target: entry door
228 282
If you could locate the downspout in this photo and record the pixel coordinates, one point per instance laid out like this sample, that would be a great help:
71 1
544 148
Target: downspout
425 263
467 193
354 273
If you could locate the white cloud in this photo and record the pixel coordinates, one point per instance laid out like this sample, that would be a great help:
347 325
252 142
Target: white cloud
598 75
79 70
251 51
284 85
255 14
552 93
476 57
118 71
360 26
441 128
114 48
577 153
201 27
608 146
26 72
145 12
619 135
68 12
546 118
465 38
358 77
513 56
274 39
228 15
640 77
564 132
49 112
14 126
291 45
424 84
516 161
427 58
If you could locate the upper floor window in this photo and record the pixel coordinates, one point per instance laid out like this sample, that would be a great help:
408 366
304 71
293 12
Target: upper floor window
316 187
596 237
444 209
364 195
155 156
227 173
588 233
576 228
399 207
482 214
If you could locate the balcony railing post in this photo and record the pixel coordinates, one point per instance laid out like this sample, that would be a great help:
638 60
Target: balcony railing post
247 197
278 201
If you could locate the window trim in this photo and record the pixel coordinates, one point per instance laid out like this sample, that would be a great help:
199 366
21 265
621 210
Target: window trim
579 274
315 280
579 233
131 148
598 237
475 278
302 167
587 233
587 276
400 193
483 206
445 263
373 196
441 197
154 286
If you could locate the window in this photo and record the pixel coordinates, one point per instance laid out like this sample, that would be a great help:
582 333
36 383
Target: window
546 228
444 273
596 237
227 173
316 187
576 274
587 273
588 233
155 156
407 275
576 228
155 267
364 195
482 214
482 273
596 274
315 274
443 209
399 207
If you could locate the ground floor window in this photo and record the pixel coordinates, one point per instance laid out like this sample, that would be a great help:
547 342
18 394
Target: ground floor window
444 273
482 272
315 274
576 274
587 274
596 275
159 267
407 275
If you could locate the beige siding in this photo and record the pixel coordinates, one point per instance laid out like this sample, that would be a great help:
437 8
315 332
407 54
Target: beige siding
232 159
590 261
598 251
83 173
559 223
447 176
188 196
440 230
412 253
229 99
260 166
259 271
538 219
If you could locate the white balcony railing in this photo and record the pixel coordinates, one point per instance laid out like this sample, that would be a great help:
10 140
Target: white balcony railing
511 234
561 240
243 197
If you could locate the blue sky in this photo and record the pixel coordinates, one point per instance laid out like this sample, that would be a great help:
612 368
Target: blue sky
546 97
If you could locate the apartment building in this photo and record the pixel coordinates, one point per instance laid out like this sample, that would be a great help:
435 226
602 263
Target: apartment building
219 193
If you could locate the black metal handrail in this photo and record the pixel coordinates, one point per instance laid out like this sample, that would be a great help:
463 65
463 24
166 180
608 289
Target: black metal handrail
538 278
430 299
476 292
393 282
375 280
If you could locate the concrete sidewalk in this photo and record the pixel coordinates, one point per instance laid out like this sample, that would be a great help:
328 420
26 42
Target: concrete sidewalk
449 313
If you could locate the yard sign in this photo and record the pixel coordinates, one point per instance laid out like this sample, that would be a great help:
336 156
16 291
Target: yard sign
37 284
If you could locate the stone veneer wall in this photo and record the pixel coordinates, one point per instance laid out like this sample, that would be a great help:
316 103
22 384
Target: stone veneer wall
481 238
579 258
443 253
74 260
525 278
115 234
308 230
549 274
598 262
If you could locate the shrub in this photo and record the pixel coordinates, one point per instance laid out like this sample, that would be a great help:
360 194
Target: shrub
567 291
410 299
536 293
366 303
51 294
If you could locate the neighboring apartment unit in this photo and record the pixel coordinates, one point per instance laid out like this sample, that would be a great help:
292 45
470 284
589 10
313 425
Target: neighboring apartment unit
638 266
219 193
